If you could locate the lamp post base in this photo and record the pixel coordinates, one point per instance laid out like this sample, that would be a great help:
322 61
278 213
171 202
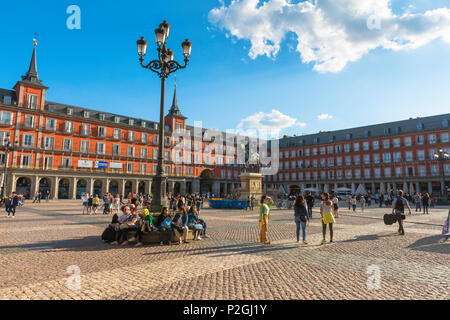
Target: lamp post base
159 196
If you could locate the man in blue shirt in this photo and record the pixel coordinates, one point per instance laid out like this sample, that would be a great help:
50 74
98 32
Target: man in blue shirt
398 208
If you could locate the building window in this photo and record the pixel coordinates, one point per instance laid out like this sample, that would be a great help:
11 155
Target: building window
116 150
398 171
144 137
32 100
386 157
357 160
84 146
130 122
65 163
396 142
102 132
376 158
86 114
130 151
100 148
420 126
367 159
47 163
27 140
408 141
444 137
7 100
130 167
376 145
67 145
130 135
356 146
377 172
386 144
346 147
143 168
69 111
144 153
68 126
5 118
387 172
50 124
85 129
28 121
155 139
397 156
348 136
366 145
409 156
444 122
422 171
116 119
49 143
432 138
117 134
25 160
420 140
101 117
421 155
322 150
367 173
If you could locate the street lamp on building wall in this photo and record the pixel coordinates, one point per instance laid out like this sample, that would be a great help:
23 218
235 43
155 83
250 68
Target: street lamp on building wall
163 67
442 156
7 144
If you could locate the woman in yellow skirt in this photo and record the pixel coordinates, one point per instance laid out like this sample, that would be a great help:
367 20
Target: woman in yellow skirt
327 216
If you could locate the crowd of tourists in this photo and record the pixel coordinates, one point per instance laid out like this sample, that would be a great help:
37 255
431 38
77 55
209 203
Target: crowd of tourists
185 211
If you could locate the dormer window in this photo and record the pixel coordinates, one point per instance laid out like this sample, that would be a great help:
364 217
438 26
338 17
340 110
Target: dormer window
348 136
420 126
366 133
445 123
101 116
143 124
116 119
7 99
86 114
69 111
130 122
32 101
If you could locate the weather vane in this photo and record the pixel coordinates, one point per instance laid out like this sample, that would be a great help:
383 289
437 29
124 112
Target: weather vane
35 39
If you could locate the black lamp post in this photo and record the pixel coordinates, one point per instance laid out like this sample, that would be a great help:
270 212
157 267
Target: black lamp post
8 148
442 156
163 67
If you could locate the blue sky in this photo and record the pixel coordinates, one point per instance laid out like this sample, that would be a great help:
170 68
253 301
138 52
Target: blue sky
97 67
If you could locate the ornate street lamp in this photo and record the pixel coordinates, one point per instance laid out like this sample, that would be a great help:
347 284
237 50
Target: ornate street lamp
7 144
442 156
163 67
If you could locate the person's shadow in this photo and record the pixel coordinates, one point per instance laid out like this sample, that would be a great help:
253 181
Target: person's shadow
434 244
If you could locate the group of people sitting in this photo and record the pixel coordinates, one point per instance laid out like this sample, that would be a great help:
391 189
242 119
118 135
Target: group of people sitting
185 219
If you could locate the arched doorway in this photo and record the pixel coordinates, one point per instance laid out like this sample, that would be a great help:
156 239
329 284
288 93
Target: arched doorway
294 190
44 186
141 187
23 186
189 187
98 186
81 188
176 188
63 189
206 181
113 187
128 188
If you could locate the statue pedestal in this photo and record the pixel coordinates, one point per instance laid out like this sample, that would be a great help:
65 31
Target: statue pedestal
251 185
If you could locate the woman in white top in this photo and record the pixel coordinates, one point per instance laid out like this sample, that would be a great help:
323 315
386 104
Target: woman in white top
117 204
85 203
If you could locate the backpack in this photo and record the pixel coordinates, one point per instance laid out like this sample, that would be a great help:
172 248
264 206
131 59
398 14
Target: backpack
399 205
109 235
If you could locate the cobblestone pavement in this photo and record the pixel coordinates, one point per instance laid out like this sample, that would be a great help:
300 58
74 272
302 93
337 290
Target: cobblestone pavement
39 245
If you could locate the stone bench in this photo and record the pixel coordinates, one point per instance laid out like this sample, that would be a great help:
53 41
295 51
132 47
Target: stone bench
154 236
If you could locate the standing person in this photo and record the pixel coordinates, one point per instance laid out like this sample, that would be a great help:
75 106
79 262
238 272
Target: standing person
354 203
264 216
349 201
95 203
381 200
301 217
85 203
362 202
417 201
335 201
117 204
198 203
252 203
310 204
425 203
47 195
39 197
14 204
8 203
89 206
248 204
327 216
398 208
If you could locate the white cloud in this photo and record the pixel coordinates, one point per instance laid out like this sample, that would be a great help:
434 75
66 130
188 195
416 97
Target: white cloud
324 116
273 122
331 33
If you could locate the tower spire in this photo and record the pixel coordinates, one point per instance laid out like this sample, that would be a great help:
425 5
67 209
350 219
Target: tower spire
32 75
174 110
